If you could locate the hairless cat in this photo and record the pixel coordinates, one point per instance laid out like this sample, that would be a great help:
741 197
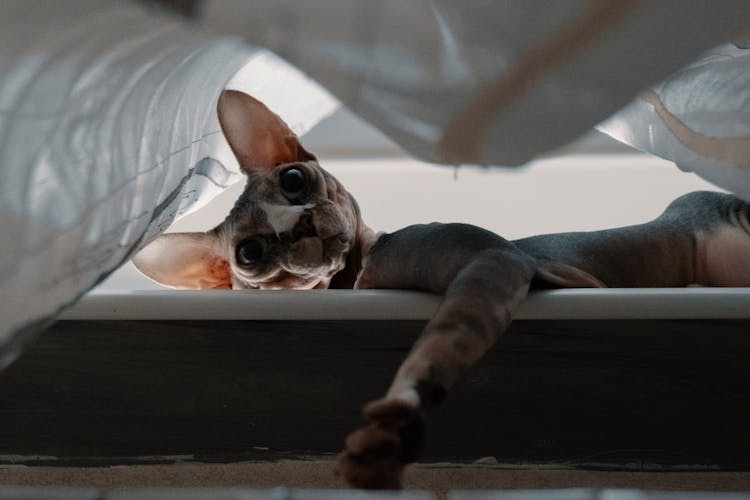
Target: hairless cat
296 227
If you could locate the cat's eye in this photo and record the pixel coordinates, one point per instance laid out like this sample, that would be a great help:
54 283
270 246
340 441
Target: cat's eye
292 180
249 252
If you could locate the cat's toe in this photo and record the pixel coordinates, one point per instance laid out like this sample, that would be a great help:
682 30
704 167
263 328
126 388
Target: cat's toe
375 455
371 459
403 419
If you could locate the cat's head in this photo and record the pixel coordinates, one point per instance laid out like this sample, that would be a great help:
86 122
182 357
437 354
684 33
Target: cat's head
292 227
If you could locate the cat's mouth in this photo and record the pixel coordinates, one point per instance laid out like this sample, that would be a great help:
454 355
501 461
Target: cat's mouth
307 261
290 281
320 239
311 263
315 255
315 241
313 250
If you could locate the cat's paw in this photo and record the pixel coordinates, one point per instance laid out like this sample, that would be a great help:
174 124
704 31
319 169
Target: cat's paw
370 460
375 455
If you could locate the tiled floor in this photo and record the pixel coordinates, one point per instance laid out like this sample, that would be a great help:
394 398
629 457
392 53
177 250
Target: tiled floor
47 493
315 480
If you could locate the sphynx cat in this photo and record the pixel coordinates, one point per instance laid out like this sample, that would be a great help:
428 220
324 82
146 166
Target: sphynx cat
296 227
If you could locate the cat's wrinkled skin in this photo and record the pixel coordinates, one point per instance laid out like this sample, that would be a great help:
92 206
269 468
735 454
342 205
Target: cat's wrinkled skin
316 238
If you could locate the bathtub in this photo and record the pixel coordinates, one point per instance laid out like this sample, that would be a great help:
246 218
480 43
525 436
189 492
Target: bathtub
626 380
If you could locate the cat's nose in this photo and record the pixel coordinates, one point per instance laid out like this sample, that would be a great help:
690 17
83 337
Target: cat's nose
305 253
304 227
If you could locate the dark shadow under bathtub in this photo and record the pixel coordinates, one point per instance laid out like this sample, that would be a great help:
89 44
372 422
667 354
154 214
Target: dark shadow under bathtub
633 395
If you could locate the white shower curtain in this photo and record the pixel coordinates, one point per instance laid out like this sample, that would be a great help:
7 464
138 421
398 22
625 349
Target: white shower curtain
499 82
108 132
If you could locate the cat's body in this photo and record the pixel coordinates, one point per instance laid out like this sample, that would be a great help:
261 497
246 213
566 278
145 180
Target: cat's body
295 226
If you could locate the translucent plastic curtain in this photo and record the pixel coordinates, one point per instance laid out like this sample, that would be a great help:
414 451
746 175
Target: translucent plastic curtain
699 117
108 131
473 81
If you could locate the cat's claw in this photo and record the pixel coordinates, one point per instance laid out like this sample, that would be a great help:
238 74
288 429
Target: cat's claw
375 455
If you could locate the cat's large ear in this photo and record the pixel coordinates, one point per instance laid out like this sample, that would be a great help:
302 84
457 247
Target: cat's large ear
566 276
257 136
191 261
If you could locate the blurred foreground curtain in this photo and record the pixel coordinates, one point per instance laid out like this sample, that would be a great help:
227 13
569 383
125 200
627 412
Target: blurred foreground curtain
108 132
499 82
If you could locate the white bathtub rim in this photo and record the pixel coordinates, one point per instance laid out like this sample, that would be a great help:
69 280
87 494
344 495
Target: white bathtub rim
313 305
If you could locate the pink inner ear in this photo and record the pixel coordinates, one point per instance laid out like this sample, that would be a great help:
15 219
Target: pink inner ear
188 261
220 275
274 149
257 136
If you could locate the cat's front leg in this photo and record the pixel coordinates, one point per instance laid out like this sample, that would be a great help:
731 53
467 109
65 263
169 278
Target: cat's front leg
484 278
